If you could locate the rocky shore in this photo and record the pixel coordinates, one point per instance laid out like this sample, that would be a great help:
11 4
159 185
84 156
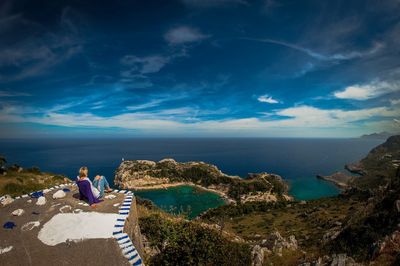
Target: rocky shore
340 179
145 175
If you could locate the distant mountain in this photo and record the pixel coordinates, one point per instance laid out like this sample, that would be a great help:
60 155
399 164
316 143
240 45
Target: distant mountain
382 135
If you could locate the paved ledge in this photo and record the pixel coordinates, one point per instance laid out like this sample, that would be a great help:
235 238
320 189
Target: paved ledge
22 246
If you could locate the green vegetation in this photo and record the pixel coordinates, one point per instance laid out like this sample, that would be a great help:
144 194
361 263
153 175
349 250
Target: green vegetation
307 222
379 164
182 242
18 181
207 175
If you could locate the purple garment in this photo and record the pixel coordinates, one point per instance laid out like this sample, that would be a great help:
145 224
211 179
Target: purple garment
85 192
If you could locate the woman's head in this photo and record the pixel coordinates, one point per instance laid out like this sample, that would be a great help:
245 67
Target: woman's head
83 171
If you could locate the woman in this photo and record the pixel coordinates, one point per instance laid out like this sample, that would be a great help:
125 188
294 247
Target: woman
101 183
86 188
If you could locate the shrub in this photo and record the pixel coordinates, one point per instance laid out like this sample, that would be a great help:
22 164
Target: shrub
187 243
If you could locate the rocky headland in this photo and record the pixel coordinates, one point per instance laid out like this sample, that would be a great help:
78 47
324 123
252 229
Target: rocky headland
340 179
144 174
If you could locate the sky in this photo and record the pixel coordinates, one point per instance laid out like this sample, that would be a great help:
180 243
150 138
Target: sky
199 68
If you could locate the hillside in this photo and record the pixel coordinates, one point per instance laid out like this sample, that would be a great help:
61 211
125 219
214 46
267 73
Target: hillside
361 224
16 180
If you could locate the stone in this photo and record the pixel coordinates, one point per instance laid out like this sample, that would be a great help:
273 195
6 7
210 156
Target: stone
41 201
303 202
342 260
276 243
18 212
397 203
59 194
7 199
337 223
30 225
257 256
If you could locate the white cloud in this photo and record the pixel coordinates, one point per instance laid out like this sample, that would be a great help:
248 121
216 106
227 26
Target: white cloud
184 34
320 56
13 94
267 99
295 121
367 91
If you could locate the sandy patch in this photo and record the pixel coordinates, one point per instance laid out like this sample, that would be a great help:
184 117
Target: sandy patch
77 227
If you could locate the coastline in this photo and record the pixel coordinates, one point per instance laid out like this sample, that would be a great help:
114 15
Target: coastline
178 184
339 179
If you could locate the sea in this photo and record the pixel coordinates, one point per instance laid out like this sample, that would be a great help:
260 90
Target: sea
298 161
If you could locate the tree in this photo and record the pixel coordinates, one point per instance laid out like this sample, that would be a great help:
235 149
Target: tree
3 160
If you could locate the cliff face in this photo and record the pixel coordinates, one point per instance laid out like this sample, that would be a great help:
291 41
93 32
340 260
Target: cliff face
380 165
141 174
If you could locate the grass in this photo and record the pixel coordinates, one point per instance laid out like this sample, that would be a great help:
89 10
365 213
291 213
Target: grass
17 183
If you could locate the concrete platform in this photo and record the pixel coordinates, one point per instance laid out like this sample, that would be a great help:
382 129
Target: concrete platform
27 249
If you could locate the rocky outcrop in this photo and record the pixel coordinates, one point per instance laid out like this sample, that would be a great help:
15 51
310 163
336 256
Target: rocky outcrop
355 168
143 174
257 255
339 179
276 243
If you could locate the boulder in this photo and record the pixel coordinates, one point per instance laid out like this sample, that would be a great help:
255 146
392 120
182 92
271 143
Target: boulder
275 242
257 256
59 194
342 260
7 199
18 212
397 203
41 201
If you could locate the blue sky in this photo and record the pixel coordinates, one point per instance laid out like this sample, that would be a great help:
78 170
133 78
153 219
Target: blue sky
192 68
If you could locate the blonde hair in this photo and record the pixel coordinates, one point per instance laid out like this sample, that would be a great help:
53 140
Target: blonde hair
83 171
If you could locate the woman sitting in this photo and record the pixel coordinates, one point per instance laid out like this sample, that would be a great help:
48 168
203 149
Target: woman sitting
86 188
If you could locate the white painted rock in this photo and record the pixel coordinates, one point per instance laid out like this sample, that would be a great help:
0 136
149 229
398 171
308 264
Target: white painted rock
30 225
18 212
110 197
66 208
5 250
41 201
46 191
59 194
29 201
6 200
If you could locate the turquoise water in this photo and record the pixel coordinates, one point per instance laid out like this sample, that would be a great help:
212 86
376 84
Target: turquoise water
186 200
303 189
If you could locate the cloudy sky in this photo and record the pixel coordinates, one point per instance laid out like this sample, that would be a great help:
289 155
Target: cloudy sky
199 68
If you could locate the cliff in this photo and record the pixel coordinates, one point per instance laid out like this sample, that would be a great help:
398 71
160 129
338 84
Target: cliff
375 170
142 174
